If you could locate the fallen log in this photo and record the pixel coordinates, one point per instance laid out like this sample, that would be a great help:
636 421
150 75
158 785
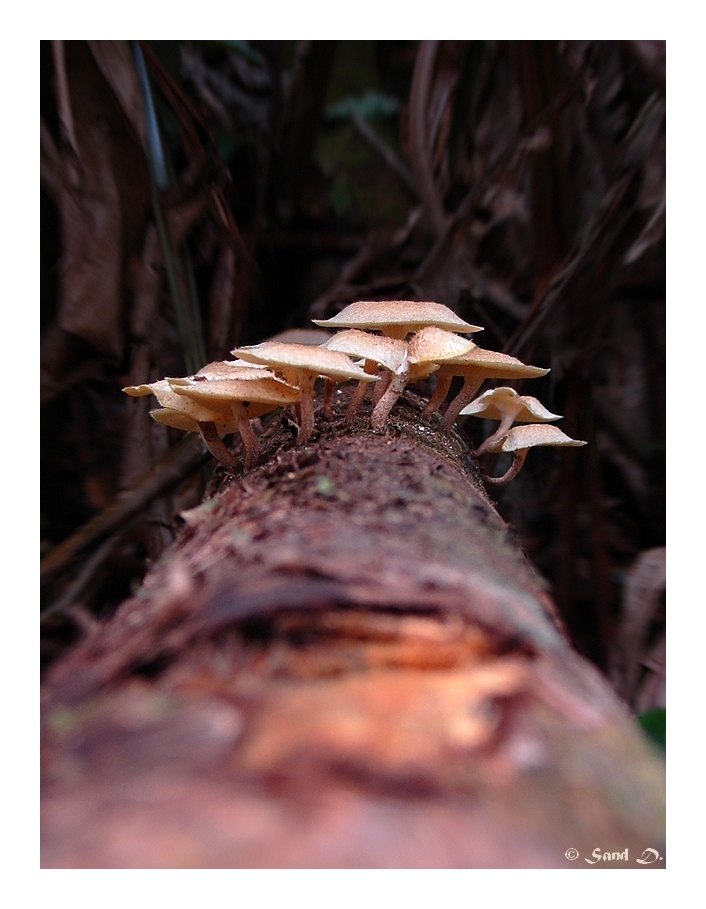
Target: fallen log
344 660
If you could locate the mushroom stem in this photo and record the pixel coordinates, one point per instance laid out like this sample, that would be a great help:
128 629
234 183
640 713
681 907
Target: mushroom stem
251 444
471 384
512 471
306 404
382 385
398 332
382 409
442 389
216 445
358 396
328 397
505 424
356 400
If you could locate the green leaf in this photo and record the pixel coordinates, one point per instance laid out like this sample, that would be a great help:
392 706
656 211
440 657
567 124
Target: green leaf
654 722
371 106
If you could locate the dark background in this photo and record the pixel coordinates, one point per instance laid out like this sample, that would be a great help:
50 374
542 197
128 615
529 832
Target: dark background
520 183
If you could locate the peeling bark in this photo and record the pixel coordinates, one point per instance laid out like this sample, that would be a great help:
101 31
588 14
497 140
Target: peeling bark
343 661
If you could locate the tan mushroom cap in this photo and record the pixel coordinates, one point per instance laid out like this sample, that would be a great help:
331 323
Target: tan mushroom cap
302 336
534 435
179 420
225 369
170 400
294 358
256 388
492 365
433 345
500 402
388 352
396 318
240 364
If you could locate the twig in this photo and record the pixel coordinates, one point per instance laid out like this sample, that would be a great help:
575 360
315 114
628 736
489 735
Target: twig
602 236
178 463
509 158
63 98
602 589
378 144
85 577
50 163
419 139
186 309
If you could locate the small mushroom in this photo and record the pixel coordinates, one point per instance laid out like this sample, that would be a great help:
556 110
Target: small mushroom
474 367
195 417
301 364
520 439
247 393
397 318
376 351
506 405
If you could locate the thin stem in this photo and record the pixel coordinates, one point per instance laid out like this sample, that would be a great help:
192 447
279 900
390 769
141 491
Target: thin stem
251 443
216 445
471 384
443 383
306 405
356 400
328 397
505 424
382 409
512 472
382 385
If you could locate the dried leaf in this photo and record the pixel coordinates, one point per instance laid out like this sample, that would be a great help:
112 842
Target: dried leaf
634 656
115 61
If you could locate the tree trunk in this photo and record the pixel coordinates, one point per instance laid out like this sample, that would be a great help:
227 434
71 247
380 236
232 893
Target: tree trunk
345 661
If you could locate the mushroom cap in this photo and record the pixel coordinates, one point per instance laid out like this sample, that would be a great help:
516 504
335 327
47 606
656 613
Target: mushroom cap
533 435
496 403
388 352
169 399
179 420
302 336
303 358
237 363
492 365
386 314
432 345
256 388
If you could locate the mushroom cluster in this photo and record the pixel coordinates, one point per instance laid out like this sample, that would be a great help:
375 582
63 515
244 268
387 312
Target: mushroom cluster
372 346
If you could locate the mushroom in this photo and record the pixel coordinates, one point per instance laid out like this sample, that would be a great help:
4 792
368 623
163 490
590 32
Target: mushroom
397 318
376 351
302 363
520 439
506 405
246 393
429 347
189 415
474 367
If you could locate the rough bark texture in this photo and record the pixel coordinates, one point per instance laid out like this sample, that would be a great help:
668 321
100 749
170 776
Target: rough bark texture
343 661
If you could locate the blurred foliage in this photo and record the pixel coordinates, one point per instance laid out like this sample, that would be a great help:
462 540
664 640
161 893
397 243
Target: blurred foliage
654 722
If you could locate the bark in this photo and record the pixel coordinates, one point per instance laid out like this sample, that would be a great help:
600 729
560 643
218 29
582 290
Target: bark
343 661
